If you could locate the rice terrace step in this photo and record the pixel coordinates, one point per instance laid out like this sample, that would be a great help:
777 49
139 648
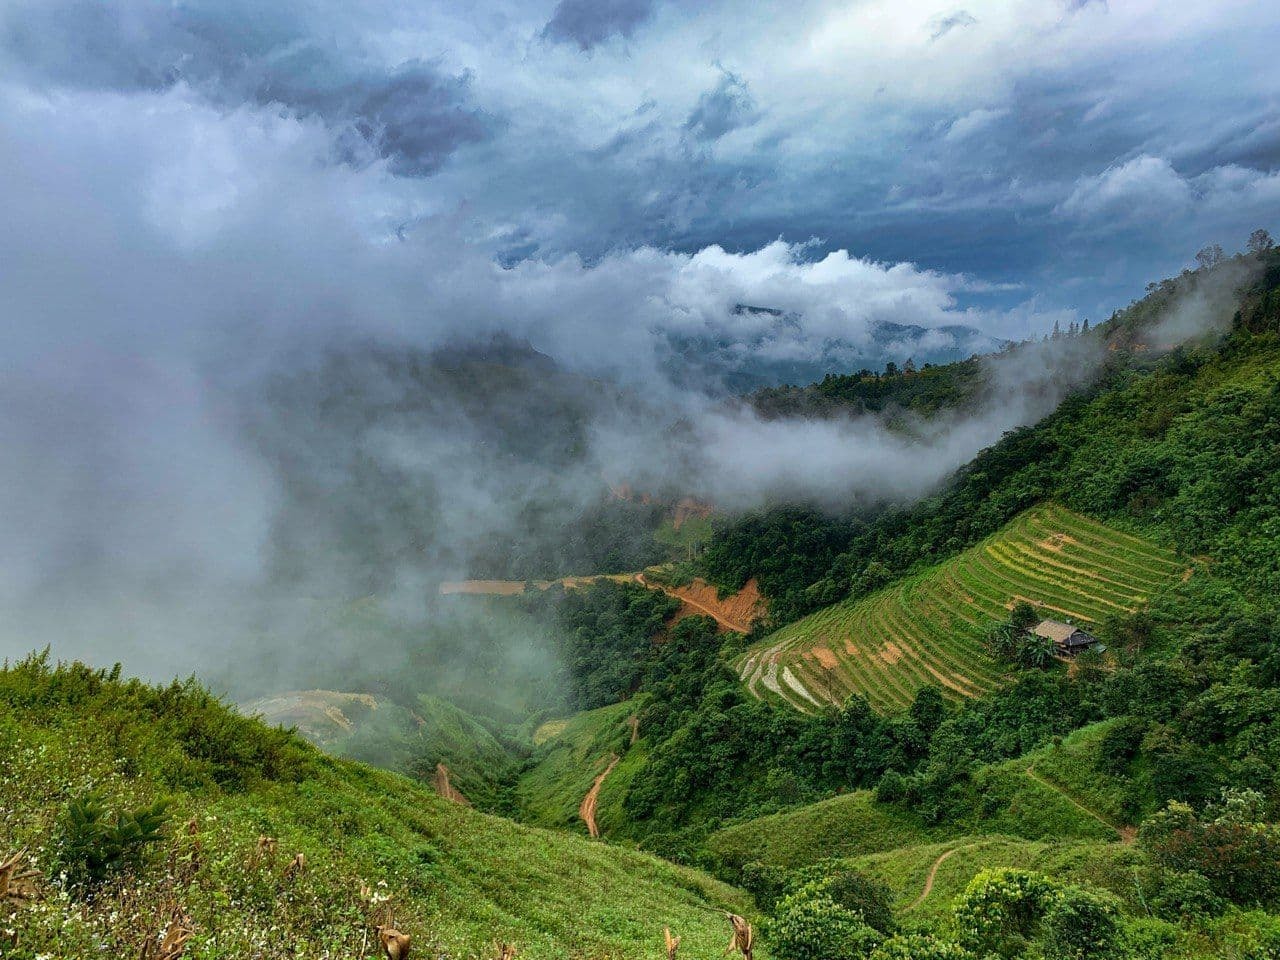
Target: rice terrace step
928 629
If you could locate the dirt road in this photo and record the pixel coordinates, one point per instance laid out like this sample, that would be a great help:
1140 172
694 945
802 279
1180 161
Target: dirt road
587 811
702 608
516 587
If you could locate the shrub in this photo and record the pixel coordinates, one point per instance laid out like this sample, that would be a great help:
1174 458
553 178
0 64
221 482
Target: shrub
1148 938
91 848
892 787
1236 852
810 925
864 895
1250 936
1186 896
1081 925
1119 745
919 946
1000 911
764 881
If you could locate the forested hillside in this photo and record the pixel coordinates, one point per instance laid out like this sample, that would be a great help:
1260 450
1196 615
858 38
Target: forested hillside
933 796
1181 446
1132 795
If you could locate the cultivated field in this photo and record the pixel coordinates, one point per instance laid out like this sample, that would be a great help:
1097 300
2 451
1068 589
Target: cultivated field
928 629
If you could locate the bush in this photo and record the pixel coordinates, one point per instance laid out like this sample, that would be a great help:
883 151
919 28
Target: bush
1119 745
810 925
764 881
1081 925
892 787
1000 911
864 895
920 946
1147 938
1229 844
1186 896
91 848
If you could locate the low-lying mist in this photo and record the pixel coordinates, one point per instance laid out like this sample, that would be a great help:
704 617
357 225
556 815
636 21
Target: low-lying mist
252 402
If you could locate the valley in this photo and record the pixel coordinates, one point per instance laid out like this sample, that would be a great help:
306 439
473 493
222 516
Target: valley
801 719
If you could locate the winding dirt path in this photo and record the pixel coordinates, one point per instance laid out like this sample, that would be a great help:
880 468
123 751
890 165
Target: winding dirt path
444 786
1126 834
587 810
713 614
933 874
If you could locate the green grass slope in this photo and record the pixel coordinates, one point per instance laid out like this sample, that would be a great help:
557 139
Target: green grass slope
926 879
569 756
928 629
844 826
457 879
1050 793
388 735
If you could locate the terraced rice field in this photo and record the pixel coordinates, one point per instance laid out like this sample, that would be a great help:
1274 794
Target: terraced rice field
928 629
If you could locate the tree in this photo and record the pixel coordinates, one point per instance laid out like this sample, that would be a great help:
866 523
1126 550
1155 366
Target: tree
1013 640
810 925
1034 651
1229 844
1000 911
1260 241
863 895
1210 256
1023 616
1084 327
1081 925
1057 331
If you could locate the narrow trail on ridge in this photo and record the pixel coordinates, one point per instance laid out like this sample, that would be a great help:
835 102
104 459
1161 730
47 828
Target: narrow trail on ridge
928 880
1126 834
587 810
933 872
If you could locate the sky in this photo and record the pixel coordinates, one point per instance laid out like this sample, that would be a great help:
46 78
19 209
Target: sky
1041 155
198 196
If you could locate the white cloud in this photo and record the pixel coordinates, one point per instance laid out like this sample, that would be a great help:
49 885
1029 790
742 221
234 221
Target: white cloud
1142 188
973 122
1149 190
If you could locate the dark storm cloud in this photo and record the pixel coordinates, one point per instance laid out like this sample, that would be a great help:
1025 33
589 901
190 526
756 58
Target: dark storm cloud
587 23
191 211
726 107
940 26
413 113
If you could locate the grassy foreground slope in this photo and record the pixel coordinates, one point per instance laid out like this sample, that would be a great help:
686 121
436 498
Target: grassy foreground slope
927 630
457 879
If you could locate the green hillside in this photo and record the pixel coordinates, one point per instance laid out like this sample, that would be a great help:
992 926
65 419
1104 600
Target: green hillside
457 880
928 629
952 865
569 756
411 741
1050 793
